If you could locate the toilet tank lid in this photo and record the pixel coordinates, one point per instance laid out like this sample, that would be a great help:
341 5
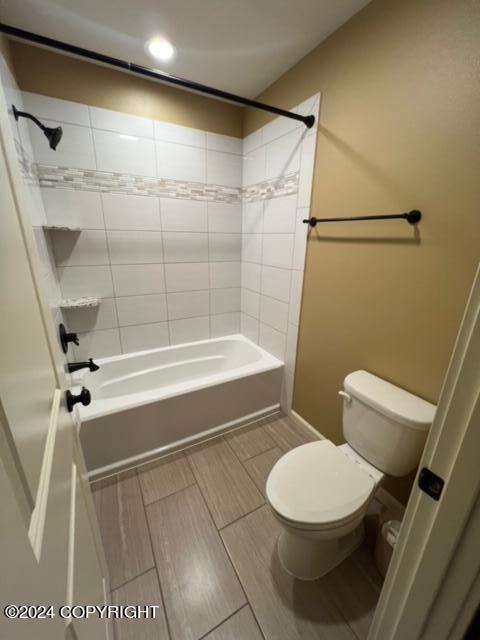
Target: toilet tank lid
391 401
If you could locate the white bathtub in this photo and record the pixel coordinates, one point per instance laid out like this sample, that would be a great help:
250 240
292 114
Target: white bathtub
147 403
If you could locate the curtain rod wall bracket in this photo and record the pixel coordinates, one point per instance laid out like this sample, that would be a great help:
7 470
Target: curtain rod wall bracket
148 72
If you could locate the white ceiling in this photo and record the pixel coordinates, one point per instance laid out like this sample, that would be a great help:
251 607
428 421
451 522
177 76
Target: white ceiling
236 45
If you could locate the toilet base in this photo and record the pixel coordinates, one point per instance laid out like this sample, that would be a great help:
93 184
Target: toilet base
307 558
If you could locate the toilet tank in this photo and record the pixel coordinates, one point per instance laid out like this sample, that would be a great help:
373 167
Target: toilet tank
386 425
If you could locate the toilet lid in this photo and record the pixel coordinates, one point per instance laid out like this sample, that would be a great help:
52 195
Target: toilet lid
317 484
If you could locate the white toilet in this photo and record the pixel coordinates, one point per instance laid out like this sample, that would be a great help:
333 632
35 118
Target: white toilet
320 492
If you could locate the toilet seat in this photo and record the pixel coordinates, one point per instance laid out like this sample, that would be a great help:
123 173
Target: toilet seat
316 486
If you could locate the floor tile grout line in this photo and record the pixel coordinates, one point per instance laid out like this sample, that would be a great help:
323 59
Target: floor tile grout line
252 426
123 584
174 493
223 621
230 560
167 622
243 515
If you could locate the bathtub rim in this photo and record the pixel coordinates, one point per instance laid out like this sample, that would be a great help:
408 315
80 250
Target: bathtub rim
109 406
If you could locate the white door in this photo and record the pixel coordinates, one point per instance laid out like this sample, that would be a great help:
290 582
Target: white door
50 551
432 587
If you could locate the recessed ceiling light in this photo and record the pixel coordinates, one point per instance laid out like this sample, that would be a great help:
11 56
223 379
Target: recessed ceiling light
160 49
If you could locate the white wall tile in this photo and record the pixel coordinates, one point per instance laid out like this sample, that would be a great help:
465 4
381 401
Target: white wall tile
295 297
307 165
225 274
224 169
225 246
310 106
274 313
169 132
74 150
225 324
135 247
180 162
121 122
254 166
98 344
276 283
251 276
183 215
73 207
280 126
138 279
123 153
278 250
253 141
188 276
283 154
55 109
272 341
145 336
250 303
226 218
85 281
252 247
185 247
189 330
300 241
141 309
279 214
228 144
249 327
92 318
252 214
124 211
75 248
224 300
290 358
188 304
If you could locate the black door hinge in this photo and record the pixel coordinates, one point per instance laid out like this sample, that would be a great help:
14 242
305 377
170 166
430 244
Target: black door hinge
430 483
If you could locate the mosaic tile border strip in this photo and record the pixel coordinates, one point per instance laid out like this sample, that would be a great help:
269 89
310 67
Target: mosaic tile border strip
273 188
56 177
28 168
90 180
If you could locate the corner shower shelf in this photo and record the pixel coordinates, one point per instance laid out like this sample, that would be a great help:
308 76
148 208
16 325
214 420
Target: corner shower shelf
79 303
61 227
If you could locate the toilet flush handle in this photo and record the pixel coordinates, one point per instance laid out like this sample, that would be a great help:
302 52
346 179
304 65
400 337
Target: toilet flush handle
344 394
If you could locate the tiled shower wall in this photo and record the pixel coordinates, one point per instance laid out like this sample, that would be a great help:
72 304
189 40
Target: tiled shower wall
183 234
33 198
159 210
277 180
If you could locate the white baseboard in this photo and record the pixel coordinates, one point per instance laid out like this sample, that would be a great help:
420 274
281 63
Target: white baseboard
306 424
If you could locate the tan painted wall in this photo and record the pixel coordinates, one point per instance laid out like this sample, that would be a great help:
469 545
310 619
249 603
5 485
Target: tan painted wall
51 74
5 51
400 129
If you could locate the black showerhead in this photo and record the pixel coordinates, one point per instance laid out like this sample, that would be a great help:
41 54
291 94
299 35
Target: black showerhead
53 134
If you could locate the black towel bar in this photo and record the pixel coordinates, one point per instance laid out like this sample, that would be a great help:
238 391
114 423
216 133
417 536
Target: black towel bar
412 217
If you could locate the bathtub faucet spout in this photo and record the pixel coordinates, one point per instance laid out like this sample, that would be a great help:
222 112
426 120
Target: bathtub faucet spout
76 366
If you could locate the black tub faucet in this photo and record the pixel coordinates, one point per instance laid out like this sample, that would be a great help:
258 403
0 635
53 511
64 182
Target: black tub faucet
76 366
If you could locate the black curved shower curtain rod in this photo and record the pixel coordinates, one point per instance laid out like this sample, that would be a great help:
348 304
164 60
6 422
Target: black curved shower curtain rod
148 72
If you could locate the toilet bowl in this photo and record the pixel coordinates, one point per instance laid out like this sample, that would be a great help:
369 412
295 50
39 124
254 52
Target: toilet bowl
320 492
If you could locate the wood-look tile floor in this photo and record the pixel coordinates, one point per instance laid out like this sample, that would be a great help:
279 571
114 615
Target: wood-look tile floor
192 533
